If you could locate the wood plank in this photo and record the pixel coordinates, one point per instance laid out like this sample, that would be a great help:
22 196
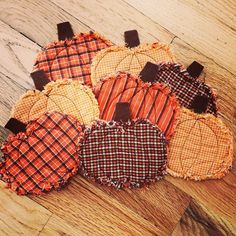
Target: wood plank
56 226
94 212
20 215
112 18
149 201
195 222
36 19
195 27
216 197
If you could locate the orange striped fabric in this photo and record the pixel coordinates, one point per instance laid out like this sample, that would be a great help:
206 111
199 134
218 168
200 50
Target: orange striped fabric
149 101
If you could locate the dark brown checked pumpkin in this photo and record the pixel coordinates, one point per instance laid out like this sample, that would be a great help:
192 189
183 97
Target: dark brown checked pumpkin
154 102
123 152
71 56
190 91
43 157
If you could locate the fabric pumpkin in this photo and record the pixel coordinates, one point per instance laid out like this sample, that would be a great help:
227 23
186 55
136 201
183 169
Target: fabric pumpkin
121 58
123 154
71 57
44 157
185 87
67 96
149 101
200 148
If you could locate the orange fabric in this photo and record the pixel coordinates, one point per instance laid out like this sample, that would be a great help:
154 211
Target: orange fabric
149 101
67 96
200 148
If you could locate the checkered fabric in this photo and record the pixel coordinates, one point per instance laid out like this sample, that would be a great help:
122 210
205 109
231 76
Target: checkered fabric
201 147
71 58
132 60
123 154
149 101
44 157
184 86
67 96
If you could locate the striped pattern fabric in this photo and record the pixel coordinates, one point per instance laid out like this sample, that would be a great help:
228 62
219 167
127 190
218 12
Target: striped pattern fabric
44 157
132 60
67 96
71 58
200 148
184 86
149 101
123 154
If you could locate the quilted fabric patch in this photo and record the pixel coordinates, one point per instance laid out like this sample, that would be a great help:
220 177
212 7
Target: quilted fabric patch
185 87
123 154
121 58
149 101
71 58
200 148
67 96
44 157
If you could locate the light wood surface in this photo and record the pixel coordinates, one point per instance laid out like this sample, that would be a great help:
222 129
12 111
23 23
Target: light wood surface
196 30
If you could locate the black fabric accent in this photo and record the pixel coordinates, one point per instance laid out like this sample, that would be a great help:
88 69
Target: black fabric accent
122 112
40 79
131 38
149 72
15 126
64 31
195 69
199 104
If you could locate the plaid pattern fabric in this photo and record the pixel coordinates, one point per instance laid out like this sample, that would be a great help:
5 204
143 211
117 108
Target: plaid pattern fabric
149 101
71 58
44 157
201 147
67 96
184 86
132 60
123 154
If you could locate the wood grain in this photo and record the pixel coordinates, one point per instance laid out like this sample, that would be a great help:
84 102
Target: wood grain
20 215
195 27
204 31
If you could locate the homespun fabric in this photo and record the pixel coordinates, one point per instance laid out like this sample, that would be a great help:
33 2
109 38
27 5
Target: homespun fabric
123 154
67 96
200 148
154 101
185 87
44 157
121 58
71 58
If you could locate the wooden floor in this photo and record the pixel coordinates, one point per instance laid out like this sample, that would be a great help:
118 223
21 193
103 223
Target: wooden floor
197 30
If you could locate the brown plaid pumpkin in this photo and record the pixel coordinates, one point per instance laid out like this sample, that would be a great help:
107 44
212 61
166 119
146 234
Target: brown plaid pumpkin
186 88
123 154
71 56
200 148
67 96
44 157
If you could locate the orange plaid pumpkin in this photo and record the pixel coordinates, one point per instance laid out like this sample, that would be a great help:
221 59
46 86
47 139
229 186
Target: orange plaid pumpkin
200 148
154 101
67 96
71 56
44 157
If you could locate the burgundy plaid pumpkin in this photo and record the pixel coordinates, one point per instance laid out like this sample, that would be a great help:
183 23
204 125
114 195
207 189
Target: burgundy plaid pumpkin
71 56
123 154
42 158
190 91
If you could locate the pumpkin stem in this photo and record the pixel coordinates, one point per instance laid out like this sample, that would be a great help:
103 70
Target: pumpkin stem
199 104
